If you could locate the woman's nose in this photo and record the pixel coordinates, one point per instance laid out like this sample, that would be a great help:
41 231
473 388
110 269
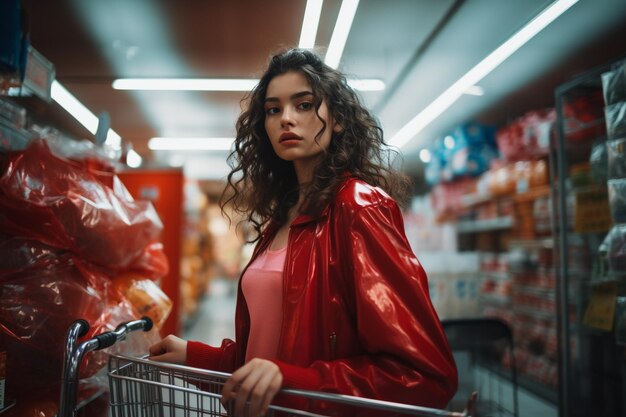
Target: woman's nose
287 117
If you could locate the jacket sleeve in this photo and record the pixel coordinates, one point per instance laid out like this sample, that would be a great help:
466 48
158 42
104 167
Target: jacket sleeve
407 357
203 356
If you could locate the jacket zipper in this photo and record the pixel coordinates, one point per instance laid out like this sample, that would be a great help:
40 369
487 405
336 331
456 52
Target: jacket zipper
333 345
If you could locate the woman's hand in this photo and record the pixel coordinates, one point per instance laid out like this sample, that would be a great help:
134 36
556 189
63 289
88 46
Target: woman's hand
258 381
171 349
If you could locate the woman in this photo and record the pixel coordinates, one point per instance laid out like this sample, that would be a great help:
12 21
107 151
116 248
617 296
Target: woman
333 298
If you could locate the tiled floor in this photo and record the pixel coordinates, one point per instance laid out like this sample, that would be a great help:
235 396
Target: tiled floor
215 322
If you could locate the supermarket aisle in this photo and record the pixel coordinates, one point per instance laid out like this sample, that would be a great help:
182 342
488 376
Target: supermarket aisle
215 321
216 318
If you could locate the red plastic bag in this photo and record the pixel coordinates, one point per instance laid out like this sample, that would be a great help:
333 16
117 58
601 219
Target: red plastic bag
43 290
66 205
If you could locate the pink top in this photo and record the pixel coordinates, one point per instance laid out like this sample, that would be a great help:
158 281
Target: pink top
262 286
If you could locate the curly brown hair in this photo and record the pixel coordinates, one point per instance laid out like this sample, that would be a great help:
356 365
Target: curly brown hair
263 187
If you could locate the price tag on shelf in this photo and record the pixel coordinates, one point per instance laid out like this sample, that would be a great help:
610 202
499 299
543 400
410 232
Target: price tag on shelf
600 311
591 211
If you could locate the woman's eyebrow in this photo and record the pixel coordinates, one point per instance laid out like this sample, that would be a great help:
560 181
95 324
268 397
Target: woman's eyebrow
292 97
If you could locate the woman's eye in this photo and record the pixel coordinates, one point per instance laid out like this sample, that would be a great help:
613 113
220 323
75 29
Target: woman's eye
305 105
271 110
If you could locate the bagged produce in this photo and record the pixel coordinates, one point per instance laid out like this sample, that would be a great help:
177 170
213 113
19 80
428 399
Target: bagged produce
67 205
68 230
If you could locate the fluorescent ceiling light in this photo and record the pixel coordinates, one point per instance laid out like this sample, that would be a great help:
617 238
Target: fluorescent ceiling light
133 159
475 90
185 84
208 84
340 33
367 85
309 24
190 144
113 140
74 107
81 113
484 67
425 156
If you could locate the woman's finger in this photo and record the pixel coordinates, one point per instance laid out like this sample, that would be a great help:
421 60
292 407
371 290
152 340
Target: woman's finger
264 392
247 391
252 387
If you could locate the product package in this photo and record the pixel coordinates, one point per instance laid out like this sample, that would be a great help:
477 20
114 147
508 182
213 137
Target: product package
527 137
614 245
620 321
617 199
615 116
583 115
614 84
598 159
616 158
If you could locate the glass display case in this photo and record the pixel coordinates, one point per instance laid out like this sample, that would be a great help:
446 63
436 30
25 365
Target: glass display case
588 165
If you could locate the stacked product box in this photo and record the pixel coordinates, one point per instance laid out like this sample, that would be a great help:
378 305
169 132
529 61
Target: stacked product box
614 246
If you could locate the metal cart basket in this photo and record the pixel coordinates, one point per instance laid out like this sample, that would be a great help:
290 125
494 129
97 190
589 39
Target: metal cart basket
140 387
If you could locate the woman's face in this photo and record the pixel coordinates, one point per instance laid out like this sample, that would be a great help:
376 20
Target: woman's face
292 123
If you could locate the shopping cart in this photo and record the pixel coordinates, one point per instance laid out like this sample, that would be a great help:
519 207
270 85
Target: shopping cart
140 387
73 356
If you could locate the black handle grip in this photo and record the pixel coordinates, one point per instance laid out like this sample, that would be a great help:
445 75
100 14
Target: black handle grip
105 340
84 327
148 323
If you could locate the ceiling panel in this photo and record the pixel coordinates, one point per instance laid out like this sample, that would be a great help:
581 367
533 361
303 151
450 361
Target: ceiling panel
418 47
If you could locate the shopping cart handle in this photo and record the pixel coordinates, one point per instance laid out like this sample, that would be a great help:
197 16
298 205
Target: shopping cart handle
82 326
104 340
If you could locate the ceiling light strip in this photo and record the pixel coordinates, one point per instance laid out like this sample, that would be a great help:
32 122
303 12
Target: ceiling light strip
81 113
133 159
484 67
340 33
216 84
309 24
185 84
74 107
190 144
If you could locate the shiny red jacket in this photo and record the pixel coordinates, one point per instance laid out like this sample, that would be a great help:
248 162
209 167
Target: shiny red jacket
357 317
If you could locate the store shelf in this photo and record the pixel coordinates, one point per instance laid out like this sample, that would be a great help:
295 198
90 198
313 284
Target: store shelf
532 312
532 244
7 407
470 200
532 194
495 299
497 275
544 292
486 225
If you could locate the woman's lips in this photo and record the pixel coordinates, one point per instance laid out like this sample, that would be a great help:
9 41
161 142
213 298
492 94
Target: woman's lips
288 136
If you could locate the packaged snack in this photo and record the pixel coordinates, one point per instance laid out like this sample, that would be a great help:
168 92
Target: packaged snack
620 321
615 242
598 159
528 136
616 158
583 117
144 295
615 116
617 199
614 84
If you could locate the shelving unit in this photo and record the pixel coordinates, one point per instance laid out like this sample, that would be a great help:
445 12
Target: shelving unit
486 225
517 281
